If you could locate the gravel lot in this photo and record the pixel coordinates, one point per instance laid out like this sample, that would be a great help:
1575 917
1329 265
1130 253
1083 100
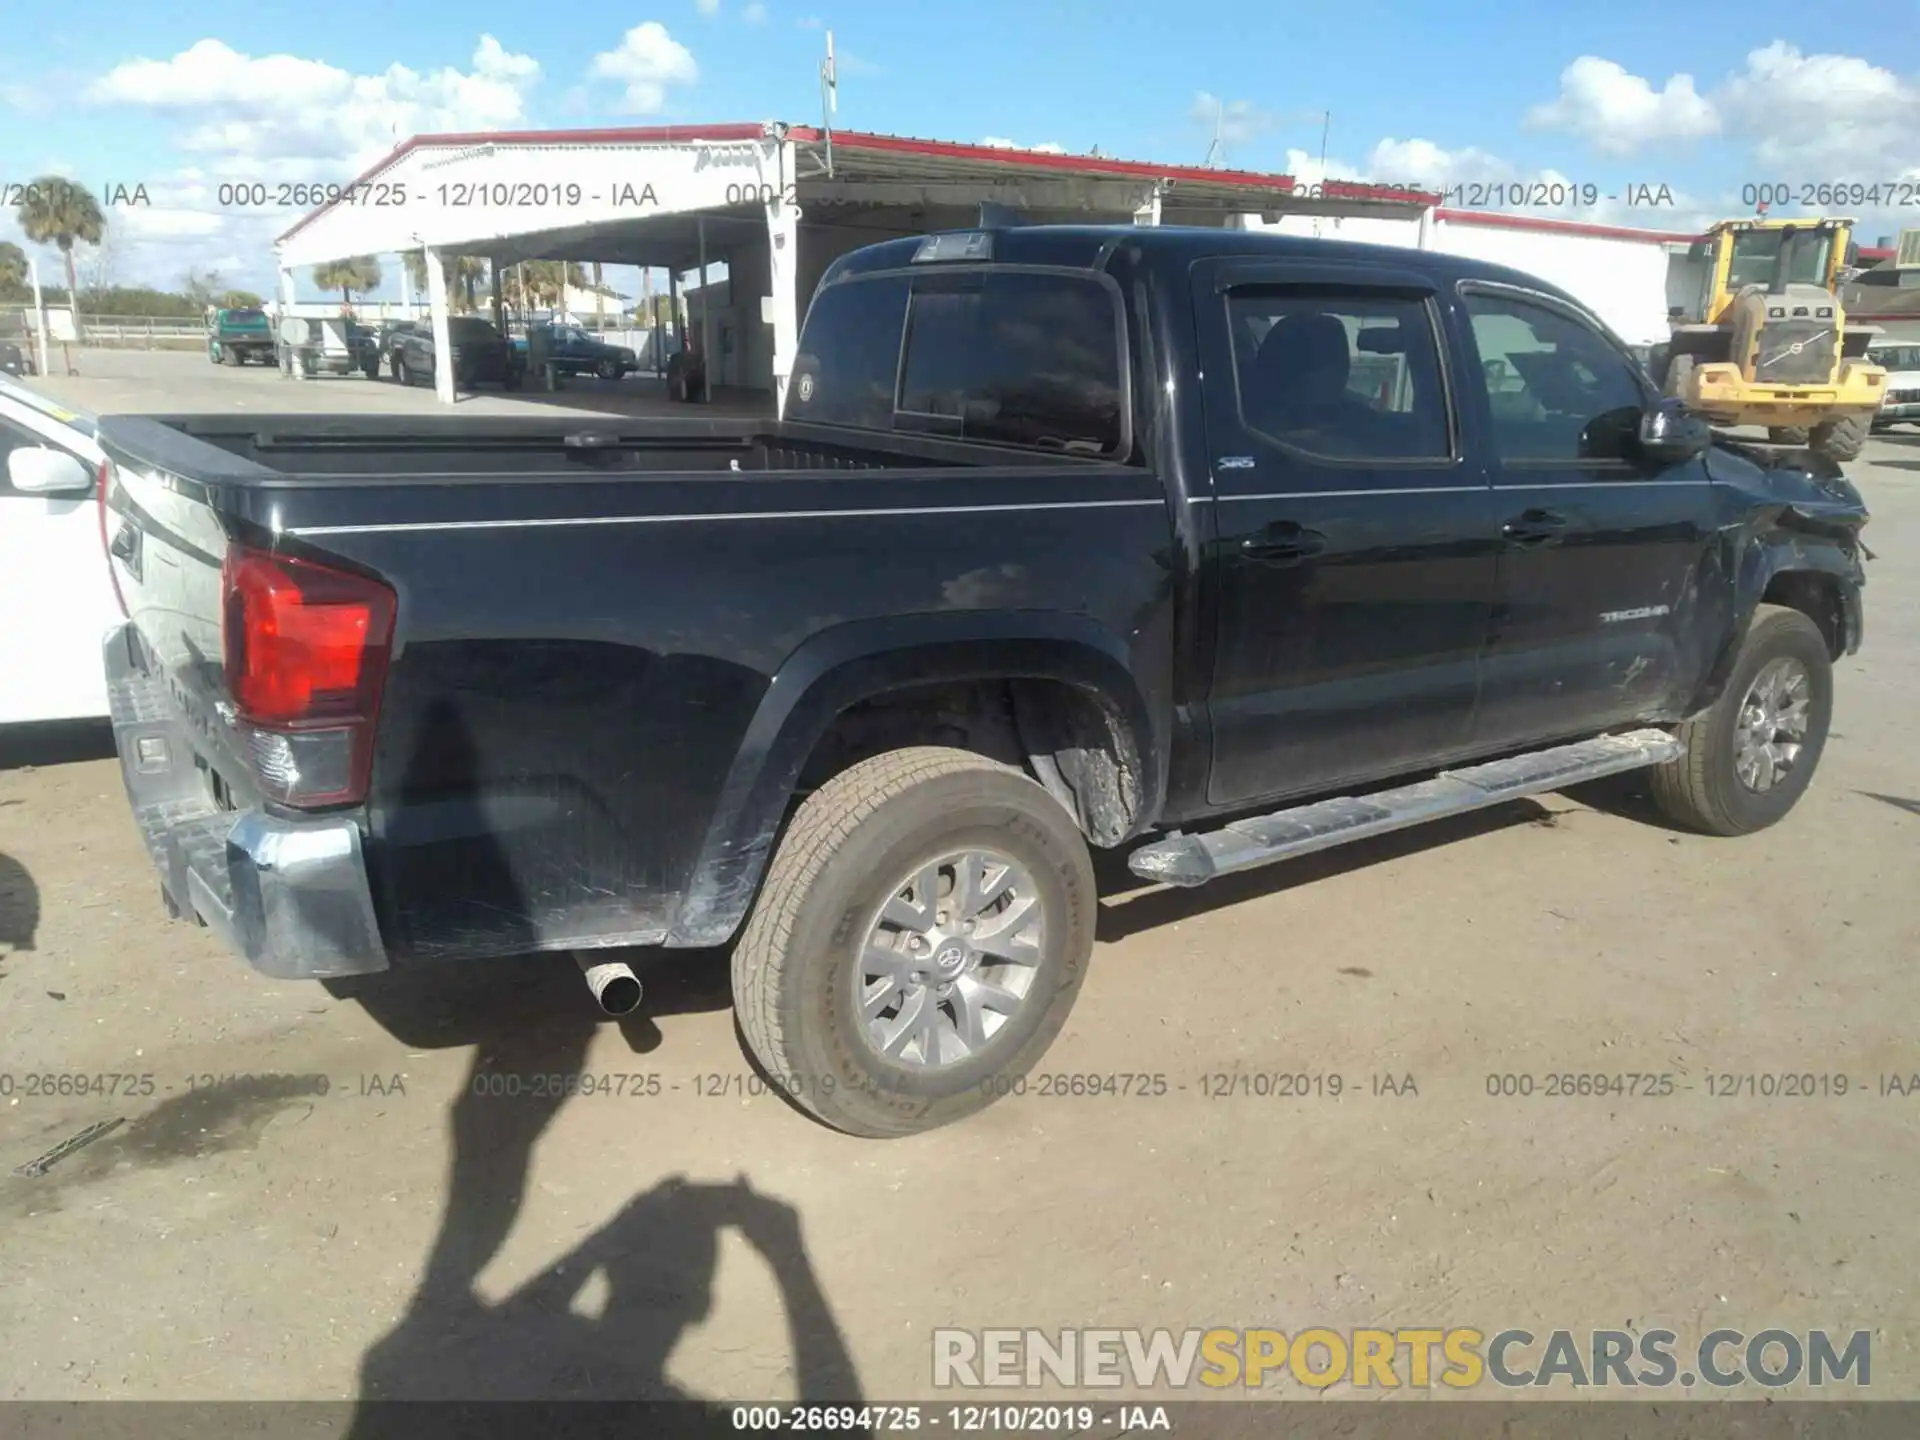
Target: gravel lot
242 1237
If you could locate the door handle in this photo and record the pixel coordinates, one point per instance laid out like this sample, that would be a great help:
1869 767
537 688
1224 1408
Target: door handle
1534 527
1283 544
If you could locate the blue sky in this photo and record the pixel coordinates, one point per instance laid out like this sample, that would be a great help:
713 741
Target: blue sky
1700 99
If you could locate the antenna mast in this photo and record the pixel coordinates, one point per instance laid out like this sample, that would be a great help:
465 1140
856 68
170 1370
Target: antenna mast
1215 147
829 99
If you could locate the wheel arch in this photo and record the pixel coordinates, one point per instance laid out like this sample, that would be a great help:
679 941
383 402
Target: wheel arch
854 663
1814 576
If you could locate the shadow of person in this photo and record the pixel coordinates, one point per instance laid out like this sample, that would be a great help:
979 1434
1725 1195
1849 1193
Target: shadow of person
19 906
652 1265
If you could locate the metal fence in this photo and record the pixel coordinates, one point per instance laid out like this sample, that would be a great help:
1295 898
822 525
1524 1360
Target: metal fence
113 332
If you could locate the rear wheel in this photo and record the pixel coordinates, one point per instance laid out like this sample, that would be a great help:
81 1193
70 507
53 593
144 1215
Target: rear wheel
402 371
1750 757
1840 439
1787 434
918 943
1679 371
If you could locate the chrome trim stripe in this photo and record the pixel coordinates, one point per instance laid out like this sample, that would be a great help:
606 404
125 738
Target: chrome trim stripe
408 526
1341 494
1602 484
1443 490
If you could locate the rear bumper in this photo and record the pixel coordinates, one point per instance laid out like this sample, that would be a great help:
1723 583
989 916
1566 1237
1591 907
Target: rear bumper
290 895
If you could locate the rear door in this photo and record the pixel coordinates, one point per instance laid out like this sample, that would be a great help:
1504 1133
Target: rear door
1353 550
1597 548
56 600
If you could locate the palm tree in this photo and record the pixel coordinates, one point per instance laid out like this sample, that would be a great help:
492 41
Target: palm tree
13 268
465 274
548 281
361 273
55 211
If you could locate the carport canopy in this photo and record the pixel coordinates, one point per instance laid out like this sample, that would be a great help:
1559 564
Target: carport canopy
669 197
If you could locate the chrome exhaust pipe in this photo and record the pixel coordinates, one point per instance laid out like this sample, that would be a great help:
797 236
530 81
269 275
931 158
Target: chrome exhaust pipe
614 985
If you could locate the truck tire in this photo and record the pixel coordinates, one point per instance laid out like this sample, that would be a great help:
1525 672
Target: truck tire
1750 757
1787 435
1840 439
402 371
870 995
1679 369
1659 358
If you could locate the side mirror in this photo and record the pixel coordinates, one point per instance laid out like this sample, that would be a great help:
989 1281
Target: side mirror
1670 434
42 470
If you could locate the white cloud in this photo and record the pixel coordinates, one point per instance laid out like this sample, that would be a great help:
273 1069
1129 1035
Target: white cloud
1238 120
274 119
755 14
1048 147
707 7
1824 117
1474 179
646 62
1619 113
281 117
1421 162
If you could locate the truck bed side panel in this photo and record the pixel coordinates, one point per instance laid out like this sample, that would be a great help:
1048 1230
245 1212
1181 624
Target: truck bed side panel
573 679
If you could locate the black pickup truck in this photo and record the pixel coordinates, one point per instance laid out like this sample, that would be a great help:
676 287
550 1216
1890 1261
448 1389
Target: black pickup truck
1222 547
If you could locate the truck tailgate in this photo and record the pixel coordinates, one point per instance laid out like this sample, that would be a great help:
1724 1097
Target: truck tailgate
223 856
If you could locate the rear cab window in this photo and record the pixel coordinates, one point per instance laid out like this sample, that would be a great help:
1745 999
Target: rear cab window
1028 357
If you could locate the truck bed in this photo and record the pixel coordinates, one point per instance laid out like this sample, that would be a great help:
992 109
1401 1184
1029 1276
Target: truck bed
398 449
581 711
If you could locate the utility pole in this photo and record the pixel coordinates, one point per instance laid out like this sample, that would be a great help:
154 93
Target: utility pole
39 311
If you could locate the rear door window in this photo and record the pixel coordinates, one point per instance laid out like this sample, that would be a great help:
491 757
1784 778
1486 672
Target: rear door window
1340 371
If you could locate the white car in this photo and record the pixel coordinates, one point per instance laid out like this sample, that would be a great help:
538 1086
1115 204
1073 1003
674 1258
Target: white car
57 599
1902 364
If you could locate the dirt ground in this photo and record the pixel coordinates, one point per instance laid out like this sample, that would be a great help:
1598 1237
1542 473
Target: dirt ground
240 1236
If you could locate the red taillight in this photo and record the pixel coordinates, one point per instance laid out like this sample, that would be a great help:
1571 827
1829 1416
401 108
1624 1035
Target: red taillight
306 660
106 548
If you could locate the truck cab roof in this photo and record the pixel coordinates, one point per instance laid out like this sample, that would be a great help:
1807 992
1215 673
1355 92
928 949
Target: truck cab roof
1171 247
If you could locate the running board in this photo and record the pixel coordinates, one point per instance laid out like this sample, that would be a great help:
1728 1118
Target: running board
1262 839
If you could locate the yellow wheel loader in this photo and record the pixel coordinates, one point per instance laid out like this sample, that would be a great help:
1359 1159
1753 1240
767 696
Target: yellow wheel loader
1767 342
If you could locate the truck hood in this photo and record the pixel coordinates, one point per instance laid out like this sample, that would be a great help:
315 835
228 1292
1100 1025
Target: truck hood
1810 491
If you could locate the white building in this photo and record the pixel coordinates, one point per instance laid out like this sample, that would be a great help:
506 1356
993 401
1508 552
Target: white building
1629 278
774 203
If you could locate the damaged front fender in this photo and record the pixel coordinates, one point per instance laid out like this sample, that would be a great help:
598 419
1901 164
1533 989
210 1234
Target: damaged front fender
1792 537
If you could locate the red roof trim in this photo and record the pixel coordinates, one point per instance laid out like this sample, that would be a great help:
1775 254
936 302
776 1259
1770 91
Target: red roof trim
628 135
1047 160
1500 220
1088 165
